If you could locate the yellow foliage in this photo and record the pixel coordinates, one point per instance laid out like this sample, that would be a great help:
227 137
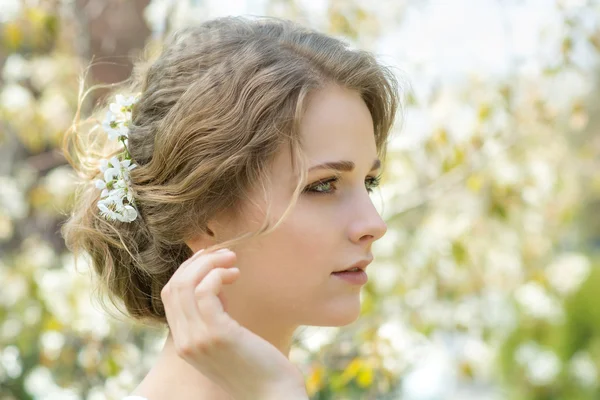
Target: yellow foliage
365 377
12 35
314 383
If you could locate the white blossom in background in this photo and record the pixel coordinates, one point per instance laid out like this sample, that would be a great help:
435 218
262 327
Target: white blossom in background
11 327
506 171
16 67
499 313
7 228
541 365
54 289
51 343
32 315
55 109
400 346
60 184
131 355
481 356
62 394
155 14
583 368
117 387
385 275
10 9
58 287
41 386
88 356
91 319
40 256
39 382
15 98
12 199
568 272
432 376
314 337
14 287
96 393
45 70
538 303
10 362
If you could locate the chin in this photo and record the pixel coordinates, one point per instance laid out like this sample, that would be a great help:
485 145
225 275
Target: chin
339 313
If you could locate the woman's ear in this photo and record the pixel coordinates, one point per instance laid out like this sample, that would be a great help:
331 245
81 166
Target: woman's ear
202 240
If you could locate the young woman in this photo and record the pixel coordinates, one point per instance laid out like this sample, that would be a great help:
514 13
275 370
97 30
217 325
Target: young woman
261 139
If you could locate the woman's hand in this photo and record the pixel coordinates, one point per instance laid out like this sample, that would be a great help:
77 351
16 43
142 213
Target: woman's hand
241 362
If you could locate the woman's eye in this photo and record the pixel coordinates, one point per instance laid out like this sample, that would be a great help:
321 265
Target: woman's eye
372 182
329 185
323 186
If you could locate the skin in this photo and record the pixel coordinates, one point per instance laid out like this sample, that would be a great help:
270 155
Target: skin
285 277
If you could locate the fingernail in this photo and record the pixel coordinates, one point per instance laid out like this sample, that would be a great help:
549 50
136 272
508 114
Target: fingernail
223 251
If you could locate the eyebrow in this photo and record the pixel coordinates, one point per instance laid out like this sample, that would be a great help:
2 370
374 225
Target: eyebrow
343 165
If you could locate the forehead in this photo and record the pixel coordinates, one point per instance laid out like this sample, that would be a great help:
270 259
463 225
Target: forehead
337 125
334 115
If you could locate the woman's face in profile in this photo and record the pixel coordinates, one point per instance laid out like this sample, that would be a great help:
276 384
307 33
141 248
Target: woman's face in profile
286 276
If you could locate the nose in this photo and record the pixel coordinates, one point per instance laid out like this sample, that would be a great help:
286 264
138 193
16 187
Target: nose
366 225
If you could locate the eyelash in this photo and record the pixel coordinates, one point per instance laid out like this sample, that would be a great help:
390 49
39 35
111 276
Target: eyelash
373 182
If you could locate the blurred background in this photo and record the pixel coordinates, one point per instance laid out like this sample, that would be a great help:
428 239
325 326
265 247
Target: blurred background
487 284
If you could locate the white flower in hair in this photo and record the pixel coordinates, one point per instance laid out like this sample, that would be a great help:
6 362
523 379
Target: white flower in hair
116 199
118 118
112 208
115 127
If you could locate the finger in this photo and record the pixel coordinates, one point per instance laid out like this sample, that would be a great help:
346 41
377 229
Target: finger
176 322
192 258
177 282
210 308
185 283
227 280
196 331
197 270
196 255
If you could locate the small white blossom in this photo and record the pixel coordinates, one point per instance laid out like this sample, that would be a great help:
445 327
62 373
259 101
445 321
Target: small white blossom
583 368
118 118
568 272
116 170
541 365
113 209
538 303
115 127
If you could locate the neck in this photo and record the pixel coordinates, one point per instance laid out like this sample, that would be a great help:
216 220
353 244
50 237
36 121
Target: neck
181 380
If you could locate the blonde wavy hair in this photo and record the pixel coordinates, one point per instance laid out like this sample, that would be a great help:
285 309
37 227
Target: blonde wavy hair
218 102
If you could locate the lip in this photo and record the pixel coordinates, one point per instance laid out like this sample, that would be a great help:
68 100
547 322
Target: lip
362 264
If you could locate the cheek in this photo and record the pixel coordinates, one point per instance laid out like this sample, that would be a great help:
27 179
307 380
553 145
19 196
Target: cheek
302 248
306 242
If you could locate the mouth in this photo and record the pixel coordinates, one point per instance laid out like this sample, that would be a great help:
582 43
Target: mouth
356 267
355 275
